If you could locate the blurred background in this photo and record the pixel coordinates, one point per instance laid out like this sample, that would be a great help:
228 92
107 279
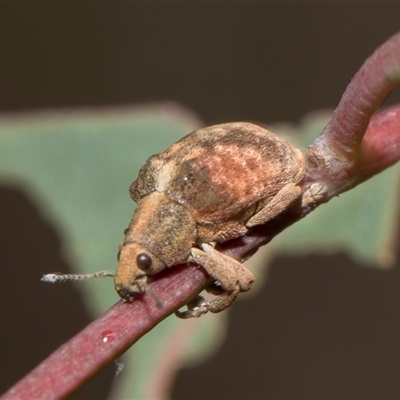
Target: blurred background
267 62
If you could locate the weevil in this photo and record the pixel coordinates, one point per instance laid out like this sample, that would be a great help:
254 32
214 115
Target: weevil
211 186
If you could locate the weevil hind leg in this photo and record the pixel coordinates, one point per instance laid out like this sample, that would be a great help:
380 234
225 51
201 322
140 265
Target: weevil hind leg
232 276
279 203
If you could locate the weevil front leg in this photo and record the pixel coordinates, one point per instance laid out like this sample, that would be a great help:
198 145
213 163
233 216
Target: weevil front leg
199 306
230 273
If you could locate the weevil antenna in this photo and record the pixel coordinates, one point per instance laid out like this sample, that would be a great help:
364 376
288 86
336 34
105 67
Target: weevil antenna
159 303
58 278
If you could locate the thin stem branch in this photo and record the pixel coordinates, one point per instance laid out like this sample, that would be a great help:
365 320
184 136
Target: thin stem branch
334 156
107 337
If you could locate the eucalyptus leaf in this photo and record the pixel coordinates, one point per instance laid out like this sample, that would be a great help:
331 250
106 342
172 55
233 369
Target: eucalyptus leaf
77 167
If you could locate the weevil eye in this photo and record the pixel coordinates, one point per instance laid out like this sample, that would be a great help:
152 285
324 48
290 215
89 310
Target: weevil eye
144 262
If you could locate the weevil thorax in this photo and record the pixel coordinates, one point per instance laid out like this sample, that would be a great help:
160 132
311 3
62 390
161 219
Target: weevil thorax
160 234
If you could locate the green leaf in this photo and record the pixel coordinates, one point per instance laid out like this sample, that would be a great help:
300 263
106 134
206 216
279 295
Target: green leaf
77 167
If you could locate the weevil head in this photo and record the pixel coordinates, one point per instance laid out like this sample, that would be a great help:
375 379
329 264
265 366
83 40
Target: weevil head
135 264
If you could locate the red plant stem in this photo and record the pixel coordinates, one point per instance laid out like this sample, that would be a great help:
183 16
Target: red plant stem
342 137
380 151
339 146
107 337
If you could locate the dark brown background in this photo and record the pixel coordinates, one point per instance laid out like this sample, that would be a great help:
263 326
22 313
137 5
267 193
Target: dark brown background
322 327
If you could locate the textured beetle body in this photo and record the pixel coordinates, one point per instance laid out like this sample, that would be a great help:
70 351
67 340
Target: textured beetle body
210 186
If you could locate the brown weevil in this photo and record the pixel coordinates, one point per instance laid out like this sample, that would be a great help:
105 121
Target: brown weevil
211 186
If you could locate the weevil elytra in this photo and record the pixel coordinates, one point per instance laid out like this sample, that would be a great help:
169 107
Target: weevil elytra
211 186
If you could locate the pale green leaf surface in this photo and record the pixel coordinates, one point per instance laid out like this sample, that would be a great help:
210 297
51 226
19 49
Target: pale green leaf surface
77 167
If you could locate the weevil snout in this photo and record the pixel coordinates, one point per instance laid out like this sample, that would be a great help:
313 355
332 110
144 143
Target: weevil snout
126 294
135 263
129 288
